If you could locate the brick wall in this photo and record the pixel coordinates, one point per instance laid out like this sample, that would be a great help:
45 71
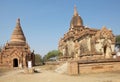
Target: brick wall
75 68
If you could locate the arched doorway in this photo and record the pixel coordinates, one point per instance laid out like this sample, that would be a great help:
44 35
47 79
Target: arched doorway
105 48
15 62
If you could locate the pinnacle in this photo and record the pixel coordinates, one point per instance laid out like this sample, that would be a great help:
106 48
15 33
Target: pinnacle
18 35
75 11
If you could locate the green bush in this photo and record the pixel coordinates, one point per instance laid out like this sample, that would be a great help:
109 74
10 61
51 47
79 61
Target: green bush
118 39
52 55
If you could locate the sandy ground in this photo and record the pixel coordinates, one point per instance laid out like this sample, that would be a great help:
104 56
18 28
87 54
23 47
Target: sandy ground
17 75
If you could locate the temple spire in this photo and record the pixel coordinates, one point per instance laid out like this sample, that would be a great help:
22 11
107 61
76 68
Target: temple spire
76 19
75 11
18 35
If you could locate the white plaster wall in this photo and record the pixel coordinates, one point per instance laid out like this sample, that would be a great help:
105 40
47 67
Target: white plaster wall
113 47
98 46
89 43
70 44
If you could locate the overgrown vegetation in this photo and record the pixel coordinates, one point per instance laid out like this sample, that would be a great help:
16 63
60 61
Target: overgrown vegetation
52 55
0 48
118 39
38 59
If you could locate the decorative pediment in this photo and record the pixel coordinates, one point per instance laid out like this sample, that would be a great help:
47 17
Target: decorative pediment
105 33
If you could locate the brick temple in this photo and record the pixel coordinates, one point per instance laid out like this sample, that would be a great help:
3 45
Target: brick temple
88 49
83 42
16 52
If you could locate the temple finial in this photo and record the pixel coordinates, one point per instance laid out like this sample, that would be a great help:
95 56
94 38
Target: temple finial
18 21
75 11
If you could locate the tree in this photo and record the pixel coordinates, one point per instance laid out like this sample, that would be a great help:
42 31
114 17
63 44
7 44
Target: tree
0 48
118 39
117 43
52 55
38 59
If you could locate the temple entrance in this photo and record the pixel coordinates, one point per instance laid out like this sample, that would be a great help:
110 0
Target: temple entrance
105 49
15 62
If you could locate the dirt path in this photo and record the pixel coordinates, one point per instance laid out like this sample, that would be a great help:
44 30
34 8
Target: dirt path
51 76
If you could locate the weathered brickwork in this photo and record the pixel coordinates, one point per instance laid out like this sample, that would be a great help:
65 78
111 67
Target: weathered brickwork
84 42
87 49
16 52
75 67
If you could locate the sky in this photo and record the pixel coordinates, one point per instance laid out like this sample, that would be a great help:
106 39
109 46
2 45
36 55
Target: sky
44 22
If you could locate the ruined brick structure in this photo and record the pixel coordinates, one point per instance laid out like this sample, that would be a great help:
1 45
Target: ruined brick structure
87 49
16 52
83 42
